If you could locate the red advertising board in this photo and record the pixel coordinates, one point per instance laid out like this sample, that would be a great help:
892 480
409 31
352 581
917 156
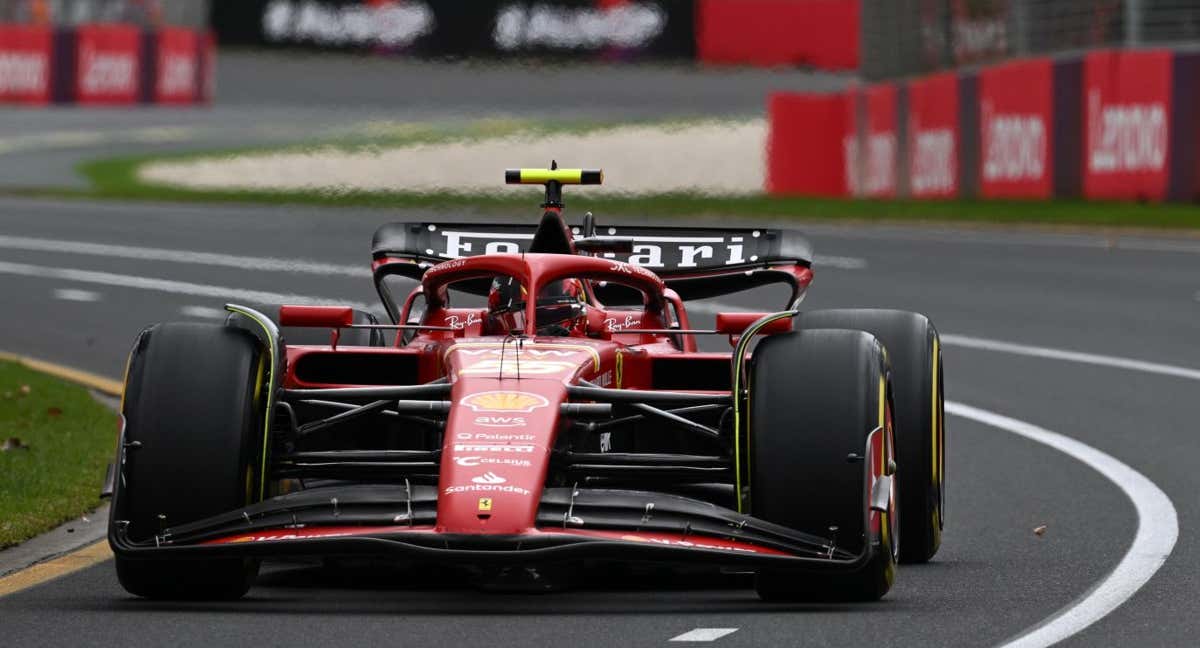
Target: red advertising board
805 148
879 171
1127 132
819 33
25 64
1016 105
108 64
178 69
933 136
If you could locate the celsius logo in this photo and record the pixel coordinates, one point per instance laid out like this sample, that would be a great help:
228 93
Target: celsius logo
489 478
471 462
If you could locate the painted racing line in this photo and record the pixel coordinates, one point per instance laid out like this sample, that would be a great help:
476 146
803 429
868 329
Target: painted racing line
1158 529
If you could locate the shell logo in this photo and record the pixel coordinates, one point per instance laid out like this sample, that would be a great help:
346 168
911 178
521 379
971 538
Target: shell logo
505 401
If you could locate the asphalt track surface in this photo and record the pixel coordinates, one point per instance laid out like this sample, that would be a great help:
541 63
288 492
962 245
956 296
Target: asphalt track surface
69 295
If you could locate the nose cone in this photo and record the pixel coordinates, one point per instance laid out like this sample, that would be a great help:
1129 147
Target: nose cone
498 440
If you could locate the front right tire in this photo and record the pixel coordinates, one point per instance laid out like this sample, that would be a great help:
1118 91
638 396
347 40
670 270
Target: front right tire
819 436
193 407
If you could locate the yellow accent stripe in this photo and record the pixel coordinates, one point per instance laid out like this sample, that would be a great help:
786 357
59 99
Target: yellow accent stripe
562 176
739 358
89 380
273 381
52 569
934 414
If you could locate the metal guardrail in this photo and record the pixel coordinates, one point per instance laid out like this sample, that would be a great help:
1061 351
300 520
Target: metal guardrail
909 37
149 13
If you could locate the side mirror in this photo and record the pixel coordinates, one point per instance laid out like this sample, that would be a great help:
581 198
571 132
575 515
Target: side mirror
316 316
737 323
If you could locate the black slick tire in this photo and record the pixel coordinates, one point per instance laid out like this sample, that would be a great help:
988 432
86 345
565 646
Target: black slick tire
914 353
816 397
194 410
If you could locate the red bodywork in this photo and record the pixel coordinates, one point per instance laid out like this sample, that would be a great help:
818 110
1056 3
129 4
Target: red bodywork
511 410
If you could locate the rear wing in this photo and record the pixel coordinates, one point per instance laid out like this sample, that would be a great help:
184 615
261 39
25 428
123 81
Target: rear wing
695 262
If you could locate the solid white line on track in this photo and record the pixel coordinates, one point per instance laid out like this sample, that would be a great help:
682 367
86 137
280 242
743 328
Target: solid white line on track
968 342
203 312
704 634
183 256
1158 529
168 286
75 295
267 264
840 262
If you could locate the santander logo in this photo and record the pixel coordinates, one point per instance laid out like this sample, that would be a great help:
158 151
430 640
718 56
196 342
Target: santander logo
489 478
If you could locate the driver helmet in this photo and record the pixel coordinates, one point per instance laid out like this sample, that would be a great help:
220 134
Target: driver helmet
561 306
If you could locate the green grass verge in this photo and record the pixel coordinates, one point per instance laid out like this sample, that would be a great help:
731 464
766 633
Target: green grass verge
118 179
70 441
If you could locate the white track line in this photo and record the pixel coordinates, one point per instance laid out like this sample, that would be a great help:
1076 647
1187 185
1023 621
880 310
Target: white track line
840 262
182 256
1158 529
258 263
203 312
704 634
75 295
1070 356
168 286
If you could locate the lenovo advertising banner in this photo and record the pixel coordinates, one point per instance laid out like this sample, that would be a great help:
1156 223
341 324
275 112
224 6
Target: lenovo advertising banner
882 154
108 64
26 64
1016 106
179 66
806 153
933 136
818 33
1127 116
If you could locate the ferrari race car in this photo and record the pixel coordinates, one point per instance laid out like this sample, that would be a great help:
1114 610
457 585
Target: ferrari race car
537 402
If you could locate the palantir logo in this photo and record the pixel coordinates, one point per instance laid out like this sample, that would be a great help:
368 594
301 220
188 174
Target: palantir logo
489 478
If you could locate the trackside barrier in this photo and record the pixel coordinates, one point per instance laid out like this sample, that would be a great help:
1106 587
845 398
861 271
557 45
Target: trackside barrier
105 65
1112 125
818 33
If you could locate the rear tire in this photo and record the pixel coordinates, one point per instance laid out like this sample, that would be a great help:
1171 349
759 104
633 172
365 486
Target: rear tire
194 403
815 399
914 353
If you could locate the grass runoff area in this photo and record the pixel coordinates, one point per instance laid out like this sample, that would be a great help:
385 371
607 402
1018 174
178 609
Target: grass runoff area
57 441
117 179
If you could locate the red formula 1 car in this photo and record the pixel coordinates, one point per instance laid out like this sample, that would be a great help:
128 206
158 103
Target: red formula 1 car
539 402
